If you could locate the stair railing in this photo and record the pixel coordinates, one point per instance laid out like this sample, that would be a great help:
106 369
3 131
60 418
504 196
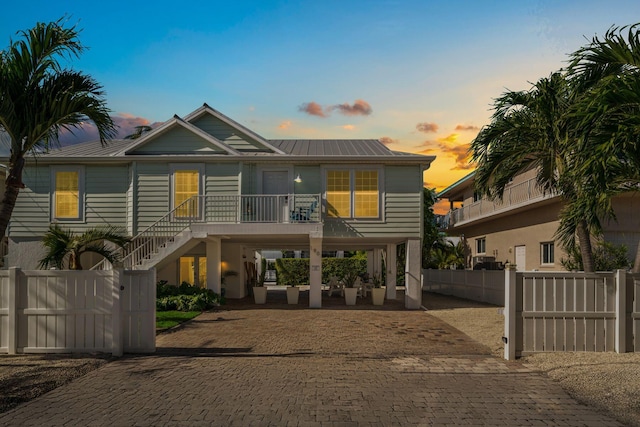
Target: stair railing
162 232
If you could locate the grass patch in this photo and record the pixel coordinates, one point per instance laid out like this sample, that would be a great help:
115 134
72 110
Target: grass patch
169 319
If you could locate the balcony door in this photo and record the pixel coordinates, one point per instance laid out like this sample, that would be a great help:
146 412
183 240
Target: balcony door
274 209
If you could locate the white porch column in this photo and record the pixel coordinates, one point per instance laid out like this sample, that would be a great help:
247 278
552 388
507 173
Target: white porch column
214 273
315 272
391 271
413 274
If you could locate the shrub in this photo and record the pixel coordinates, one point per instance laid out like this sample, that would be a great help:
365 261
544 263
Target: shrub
295 271
606 257
185 297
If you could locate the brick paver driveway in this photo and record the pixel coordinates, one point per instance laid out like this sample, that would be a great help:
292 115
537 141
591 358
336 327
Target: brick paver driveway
274 365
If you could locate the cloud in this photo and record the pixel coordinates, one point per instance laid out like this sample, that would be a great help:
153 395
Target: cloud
359 108
348 127
447 147
449 139
427 127
460 154
313 109
285 125
125 122
387 140
466 128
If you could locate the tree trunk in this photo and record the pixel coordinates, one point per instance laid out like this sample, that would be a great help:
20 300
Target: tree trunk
584 239
636 264
13 186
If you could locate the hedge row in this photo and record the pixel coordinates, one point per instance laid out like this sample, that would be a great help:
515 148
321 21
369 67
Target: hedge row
295 271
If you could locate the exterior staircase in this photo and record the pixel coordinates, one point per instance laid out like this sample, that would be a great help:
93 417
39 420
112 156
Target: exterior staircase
171 235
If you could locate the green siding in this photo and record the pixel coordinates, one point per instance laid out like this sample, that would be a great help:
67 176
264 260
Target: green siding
221 179
179 140
30 216
311 180
227 134
401 203
153 194
249 179
105 195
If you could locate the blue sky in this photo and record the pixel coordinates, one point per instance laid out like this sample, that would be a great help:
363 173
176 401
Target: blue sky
420 74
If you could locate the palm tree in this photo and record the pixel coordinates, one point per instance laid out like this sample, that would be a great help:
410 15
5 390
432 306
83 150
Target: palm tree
38 99
63 244
609 71
534 130
139 132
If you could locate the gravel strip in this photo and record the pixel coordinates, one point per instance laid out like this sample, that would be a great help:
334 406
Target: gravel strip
25 377
608 381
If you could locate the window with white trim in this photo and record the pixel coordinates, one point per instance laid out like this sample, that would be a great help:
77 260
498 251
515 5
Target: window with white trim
186 183
481 245
67 202
353 193
547 253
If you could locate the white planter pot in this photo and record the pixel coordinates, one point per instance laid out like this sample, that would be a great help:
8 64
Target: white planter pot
293 293
260 294
377 296
350 296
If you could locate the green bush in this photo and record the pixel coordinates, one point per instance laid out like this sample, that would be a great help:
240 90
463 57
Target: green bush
295 271
606 257
185 297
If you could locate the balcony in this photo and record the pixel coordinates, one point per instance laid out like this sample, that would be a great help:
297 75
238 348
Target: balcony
515 196
257 208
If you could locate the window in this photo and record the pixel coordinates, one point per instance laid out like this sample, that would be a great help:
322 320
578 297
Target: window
547 253
186 184
481 245
68 194
353 193
192 268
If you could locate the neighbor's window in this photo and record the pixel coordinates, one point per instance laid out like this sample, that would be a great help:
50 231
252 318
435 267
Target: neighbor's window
481 245
353 193
67 194
186 184
547 253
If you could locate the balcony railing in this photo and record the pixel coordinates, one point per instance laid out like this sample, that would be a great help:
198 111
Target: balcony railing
514 196
262 208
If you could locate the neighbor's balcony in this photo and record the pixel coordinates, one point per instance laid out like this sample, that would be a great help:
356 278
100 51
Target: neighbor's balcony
256 208
515 196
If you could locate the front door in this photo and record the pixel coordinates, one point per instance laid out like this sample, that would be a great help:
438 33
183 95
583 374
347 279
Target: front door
275 209
521 258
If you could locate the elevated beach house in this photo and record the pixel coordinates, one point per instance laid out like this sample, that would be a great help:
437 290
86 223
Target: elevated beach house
201 194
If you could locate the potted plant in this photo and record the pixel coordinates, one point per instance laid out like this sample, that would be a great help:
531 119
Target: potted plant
350 289
293 293
259 289
377 292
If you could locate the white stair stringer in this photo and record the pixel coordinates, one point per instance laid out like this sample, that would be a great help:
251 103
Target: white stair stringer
180 244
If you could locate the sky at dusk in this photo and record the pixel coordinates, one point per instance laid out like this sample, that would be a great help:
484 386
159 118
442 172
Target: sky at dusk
419 75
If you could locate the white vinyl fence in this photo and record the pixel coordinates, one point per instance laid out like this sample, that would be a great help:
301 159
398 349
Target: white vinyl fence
556 311
477 285
553 311
77 311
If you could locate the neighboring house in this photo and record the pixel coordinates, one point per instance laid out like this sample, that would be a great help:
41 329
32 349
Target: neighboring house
520 229
203 193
